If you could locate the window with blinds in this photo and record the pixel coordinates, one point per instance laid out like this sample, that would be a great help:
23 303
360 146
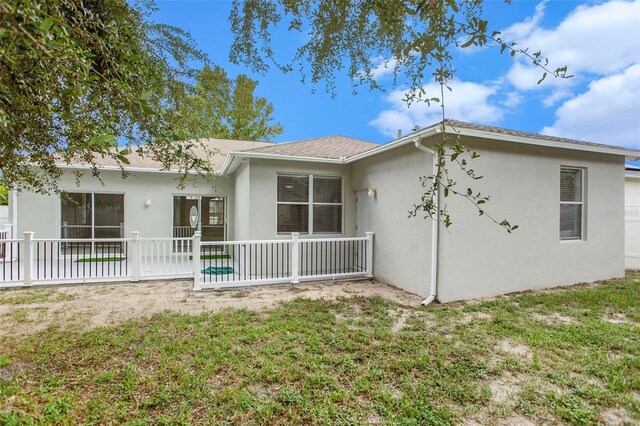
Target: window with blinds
571 203
309 204
327 205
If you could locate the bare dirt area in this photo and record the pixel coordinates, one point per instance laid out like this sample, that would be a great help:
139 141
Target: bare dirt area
26 311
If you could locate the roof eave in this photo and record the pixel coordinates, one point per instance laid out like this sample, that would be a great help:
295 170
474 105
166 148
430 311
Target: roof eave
227 167
126 169
629 154
412 138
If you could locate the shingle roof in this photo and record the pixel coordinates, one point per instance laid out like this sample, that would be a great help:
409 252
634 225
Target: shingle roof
334 147
216 150
509 132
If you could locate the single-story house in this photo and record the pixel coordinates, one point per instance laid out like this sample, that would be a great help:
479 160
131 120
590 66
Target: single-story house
632 216
563 194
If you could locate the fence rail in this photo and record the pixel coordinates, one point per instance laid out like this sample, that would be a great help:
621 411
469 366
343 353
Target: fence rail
211 265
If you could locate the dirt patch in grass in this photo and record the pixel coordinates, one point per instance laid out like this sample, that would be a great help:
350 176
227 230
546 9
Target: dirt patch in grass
618 318
518 350
469 317
504 388
616 417
402 316
27 311
554 318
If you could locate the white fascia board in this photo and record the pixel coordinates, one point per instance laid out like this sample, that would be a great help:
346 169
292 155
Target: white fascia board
632 174
629 154
412 138
227 167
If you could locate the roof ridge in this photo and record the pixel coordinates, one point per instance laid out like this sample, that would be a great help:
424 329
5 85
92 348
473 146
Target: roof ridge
326 137
310 140
231 140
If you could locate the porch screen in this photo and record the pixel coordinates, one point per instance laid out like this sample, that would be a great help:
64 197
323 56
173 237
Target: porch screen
91 215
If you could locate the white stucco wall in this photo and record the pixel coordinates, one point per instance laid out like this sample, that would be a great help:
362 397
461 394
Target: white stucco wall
41 213
4 216
242 202
632 220
478 258
262 195
402 245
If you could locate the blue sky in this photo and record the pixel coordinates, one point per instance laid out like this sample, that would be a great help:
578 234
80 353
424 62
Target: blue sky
599 41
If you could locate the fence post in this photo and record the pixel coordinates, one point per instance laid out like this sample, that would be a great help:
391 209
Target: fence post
295 257
196 260
5 235
369 254
8 228
136 262
28 258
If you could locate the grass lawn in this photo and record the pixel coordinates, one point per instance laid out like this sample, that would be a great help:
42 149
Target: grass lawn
566 356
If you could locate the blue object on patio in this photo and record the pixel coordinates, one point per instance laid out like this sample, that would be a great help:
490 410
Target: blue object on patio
213 270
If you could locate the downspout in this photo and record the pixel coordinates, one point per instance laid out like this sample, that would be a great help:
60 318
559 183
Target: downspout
435 227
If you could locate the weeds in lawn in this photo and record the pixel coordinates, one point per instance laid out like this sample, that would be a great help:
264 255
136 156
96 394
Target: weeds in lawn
548 357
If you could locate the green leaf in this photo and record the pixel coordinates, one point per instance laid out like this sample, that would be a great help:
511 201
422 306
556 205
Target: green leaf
468 43
100 140
123 159
543 77
46 24
146 95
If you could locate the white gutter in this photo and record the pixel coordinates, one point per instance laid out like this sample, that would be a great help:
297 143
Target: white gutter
630 154
435 227
118 169
243 154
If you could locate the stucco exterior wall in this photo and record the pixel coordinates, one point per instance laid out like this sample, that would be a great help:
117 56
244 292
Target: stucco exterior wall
262 199
4 216
478 258
242 202
632 220
402 245
41 213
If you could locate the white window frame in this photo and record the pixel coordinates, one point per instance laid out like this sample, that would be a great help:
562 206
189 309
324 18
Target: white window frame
310 203
582 203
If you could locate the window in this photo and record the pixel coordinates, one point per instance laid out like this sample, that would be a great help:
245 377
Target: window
211 217
89 215
571 203
309 204
327 205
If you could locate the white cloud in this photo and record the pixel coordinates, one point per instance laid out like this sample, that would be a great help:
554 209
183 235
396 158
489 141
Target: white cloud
384 68
608 112
521 30
513 99
598 39
555 97
467 101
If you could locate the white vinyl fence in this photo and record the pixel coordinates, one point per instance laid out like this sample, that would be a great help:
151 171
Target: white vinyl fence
212 265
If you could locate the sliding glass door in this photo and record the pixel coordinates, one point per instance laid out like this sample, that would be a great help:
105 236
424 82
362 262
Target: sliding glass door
211 217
